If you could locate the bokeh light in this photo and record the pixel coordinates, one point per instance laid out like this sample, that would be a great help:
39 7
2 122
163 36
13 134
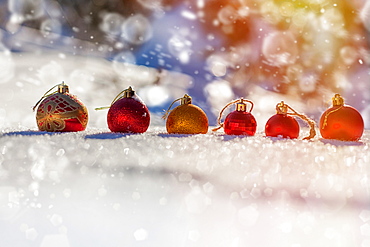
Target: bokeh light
304 50
136 30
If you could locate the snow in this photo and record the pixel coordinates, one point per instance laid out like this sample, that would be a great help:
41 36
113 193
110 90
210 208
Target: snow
96 187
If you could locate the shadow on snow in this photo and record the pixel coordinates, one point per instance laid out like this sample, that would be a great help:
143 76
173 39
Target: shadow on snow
30 133
108 135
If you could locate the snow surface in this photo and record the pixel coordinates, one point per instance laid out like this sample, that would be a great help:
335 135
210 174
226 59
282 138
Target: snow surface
97 188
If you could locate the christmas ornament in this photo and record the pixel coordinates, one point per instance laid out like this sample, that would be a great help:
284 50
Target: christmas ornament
60 111
186 118
127 113
283 124
238 122
341 122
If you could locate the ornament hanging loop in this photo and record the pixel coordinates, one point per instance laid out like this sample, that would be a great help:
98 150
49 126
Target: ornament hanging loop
337 100
282 108
186 99
127 93
62 88
240 106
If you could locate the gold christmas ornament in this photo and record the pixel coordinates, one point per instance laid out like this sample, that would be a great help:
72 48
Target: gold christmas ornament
186 118
60 111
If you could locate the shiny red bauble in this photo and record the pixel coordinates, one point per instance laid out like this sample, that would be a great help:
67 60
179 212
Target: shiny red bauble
341 122
128 115
240 123
282 125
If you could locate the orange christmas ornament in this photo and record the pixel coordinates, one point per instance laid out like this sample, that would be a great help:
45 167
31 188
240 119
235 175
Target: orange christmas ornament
60 111
341 122
186 118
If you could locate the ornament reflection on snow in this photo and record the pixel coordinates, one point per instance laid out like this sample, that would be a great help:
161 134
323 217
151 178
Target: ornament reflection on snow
60 111
240 121
284 125
186 118
127 113
341 122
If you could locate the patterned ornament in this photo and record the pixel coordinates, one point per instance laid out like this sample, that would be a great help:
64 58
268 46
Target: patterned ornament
186 118
128 113
238 122
341 122
283 124
60 111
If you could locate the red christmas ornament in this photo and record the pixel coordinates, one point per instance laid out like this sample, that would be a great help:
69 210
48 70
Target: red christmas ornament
61 111
341 122
128 114
282 124
238 122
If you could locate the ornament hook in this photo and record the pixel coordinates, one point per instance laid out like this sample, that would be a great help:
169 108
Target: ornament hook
240 106
62 88
127 93
282 108
337 101
186 99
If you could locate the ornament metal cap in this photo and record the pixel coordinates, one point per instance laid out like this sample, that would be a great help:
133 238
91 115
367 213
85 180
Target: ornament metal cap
63 88
241 106
128 93
185 100
338 100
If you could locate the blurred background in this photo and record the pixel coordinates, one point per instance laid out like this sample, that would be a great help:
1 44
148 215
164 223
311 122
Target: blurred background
299 51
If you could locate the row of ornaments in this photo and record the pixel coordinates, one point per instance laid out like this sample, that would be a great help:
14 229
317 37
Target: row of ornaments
60 111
